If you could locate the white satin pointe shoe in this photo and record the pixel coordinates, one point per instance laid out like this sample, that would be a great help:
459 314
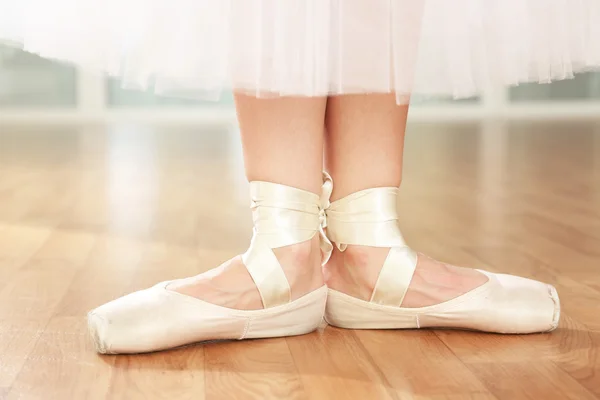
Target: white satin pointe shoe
158 318
504 304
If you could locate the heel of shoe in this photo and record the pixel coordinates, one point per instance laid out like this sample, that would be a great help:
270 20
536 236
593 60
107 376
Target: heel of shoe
347 312
296 318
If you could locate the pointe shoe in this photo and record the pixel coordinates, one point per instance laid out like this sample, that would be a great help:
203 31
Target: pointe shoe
158 318
505 304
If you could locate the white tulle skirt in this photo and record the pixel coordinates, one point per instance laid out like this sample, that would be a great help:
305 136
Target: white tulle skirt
312 47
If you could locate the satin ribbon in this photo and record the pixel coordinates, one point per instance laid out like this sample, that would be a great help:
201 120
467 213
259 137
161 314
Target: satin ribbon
283 216
370 218
367 218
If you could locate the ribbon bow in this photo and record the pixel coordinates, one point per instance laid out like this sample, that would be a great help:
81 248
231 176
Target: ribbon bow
326 190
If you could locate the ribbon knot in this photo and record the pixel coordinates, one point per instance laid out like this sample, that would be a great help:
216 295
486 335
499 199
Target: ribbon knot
322 219
326 190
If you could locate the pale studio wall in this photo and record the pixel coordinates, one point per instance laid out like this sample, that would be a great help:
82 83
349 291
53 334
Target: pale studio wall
34 88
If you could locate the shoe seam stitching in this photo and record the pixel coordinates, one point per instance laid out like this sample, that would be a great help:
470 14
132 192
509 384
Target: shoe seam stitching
246 328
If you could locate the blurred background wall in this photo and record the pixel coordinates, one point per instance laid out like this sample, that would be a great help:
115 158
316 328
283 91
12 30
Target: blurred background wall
34 90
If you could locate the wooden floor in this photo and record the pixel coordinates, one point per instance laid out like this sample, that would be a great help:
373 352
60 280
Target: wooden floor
88 214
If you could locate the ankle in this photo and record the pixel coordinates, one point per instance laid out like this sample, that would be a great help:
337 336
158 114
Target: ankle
301 264
365 262
355 271
303 253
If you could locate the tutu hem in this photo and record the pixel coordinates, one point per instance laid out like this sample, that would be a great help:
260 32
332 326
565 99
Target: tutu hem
269 48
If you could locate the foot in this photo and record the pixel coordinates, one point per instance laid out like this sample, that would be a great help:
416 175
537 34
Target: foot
230 285
355 272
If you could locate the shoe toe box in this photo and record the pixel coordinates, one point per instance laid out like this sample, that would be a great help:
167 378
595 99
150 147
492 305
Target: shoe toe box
129 322
157 319
521 305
